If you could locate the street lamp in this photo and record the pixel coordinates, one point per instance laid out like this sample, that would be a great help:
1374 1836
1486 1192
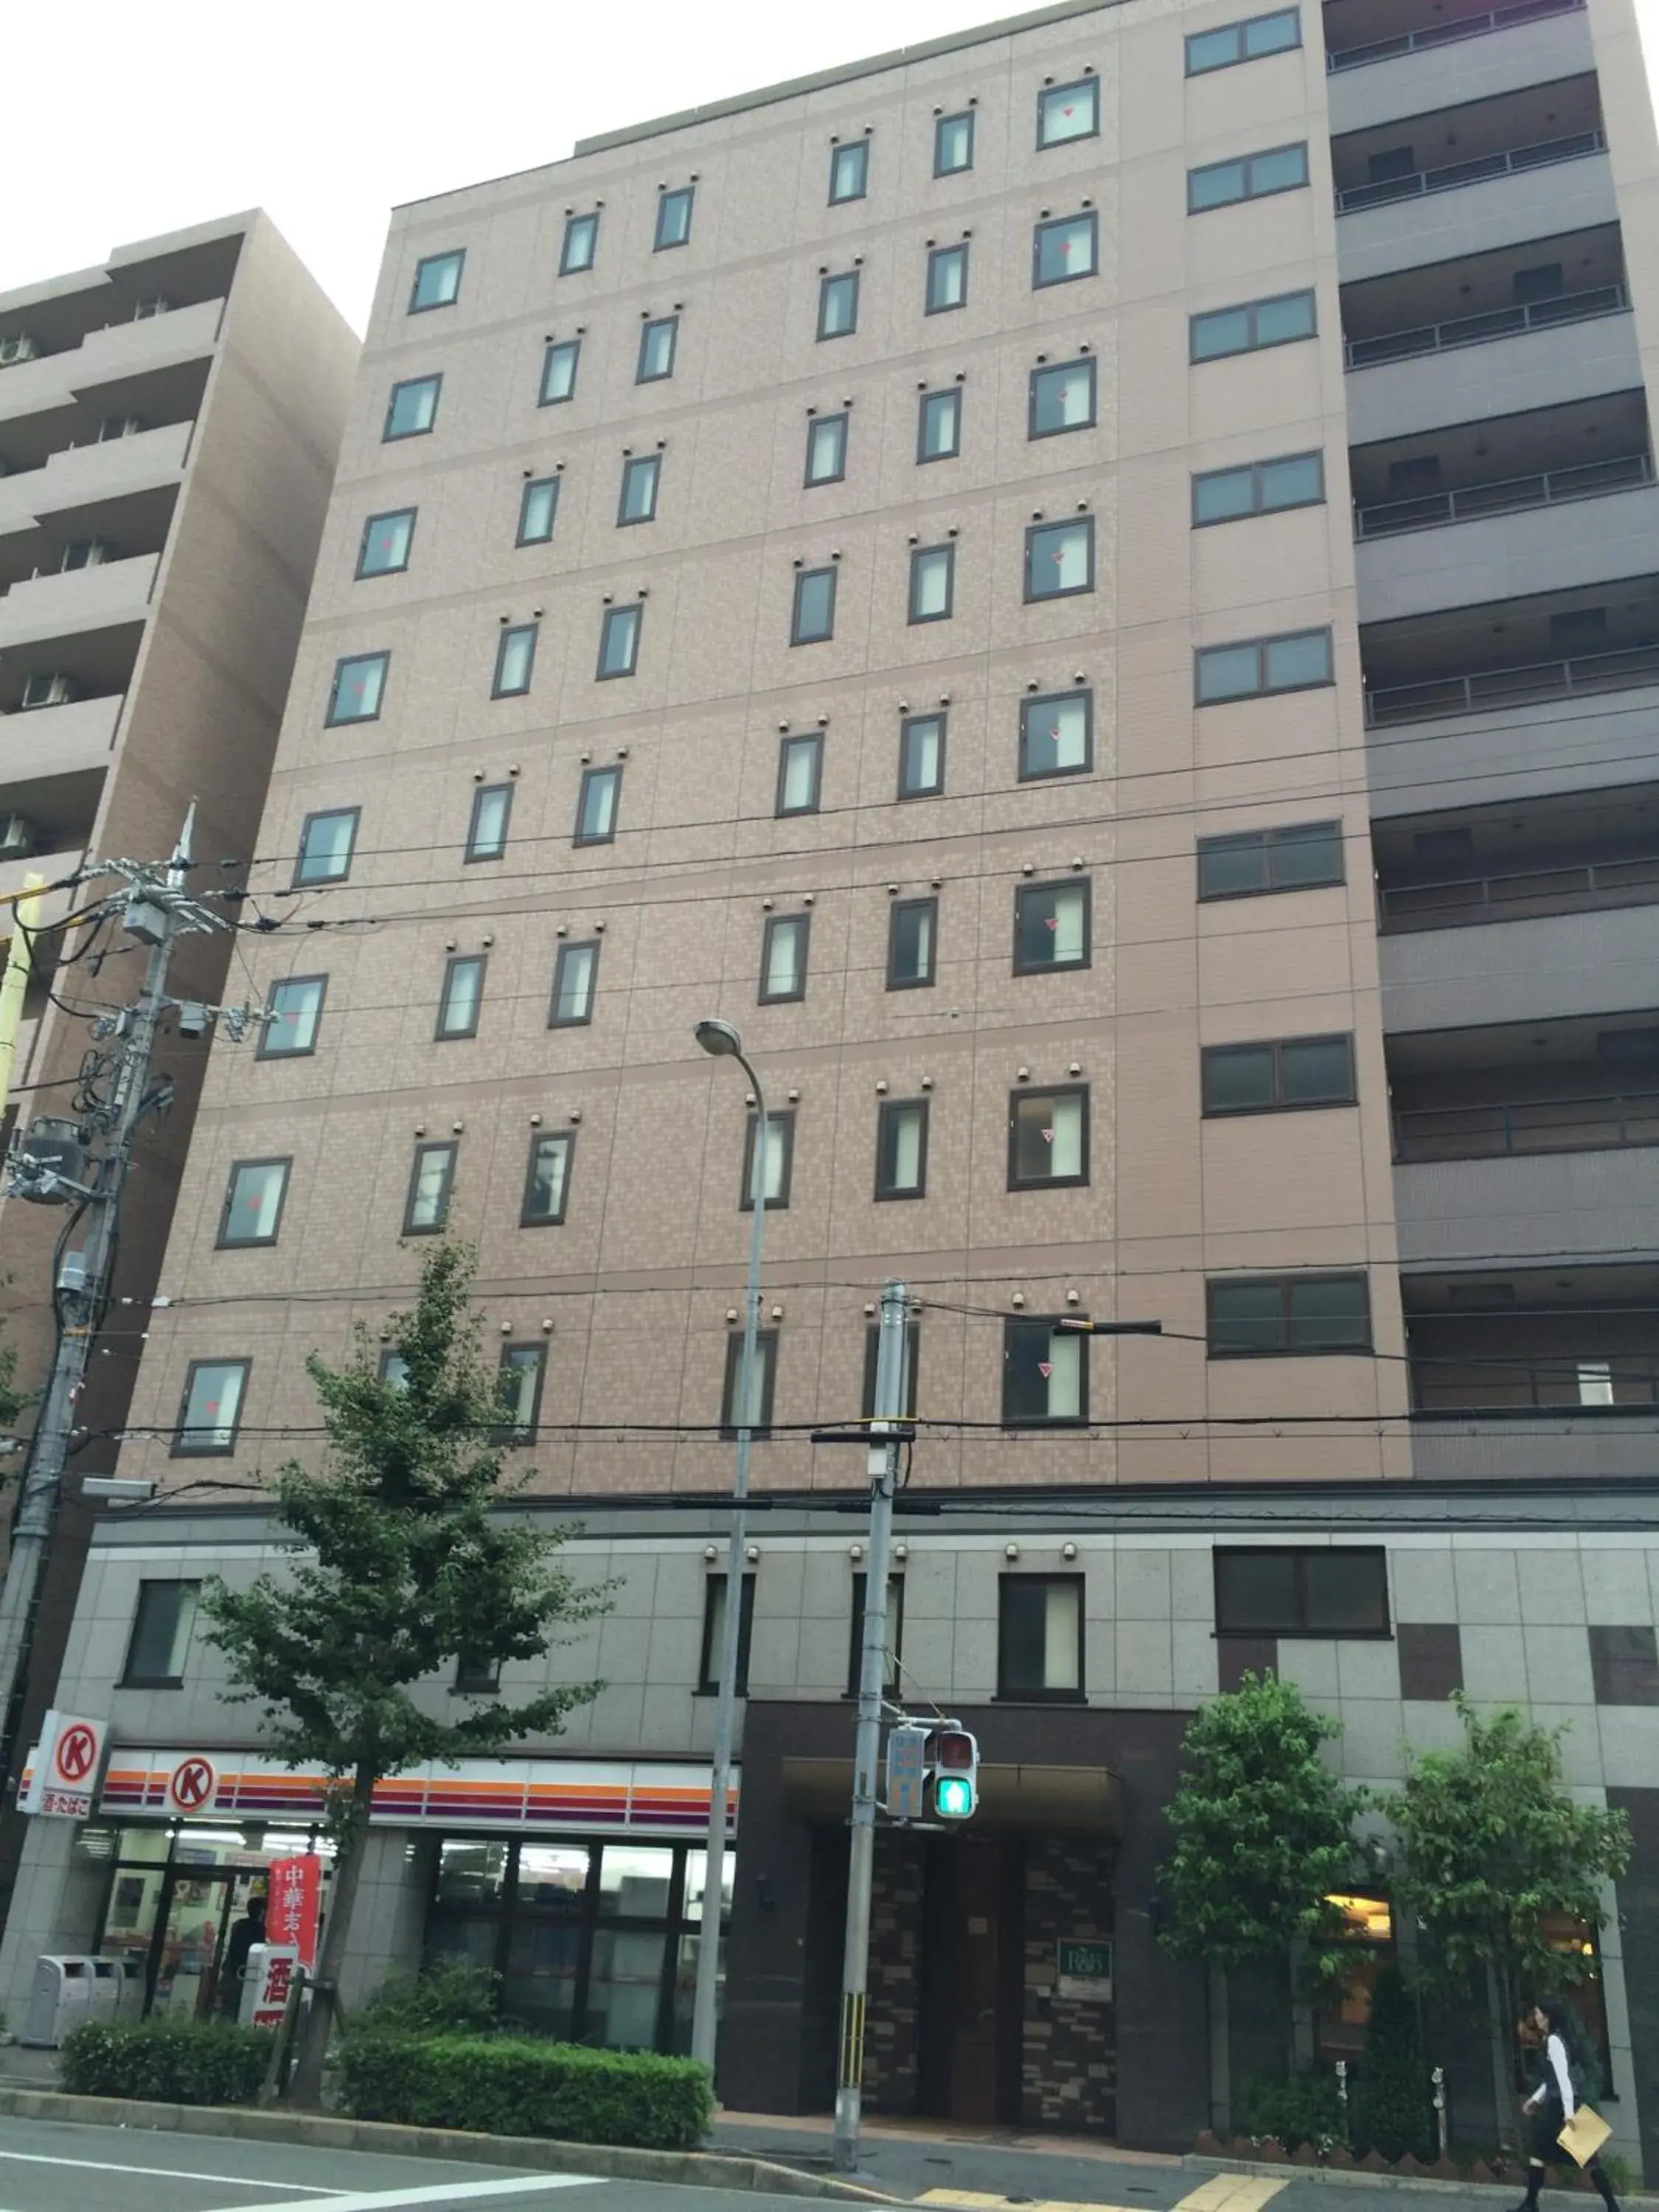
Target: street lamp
721 1041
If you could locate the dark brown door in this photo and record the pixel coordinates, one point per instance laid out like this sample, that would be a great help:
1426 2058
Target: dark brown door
974 2070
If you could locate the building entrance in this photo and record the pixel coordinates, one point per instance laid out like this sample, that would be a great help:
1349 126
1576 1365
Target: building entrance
970 2012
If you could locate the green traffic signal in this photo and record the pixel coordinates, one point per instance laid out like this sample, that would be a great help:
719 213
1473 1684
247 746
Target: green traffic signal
953 1796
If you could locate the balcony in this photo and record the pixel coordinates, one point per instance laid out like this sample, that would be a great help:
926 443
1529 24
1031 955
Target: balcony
62 606
1550 546
73 740
1433 63
1471 470
1589 852
1548 969
84 475
110 357
1347 44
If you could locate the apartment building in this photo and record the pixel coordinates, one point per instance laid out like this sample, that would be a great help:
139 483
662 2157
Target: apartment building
1090 585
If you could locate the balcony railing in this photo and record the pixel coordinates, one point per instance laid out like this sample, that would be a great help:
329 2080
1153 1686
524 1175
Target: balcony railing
1446 34
1416 182
1586 1383
1531 1125
1481 330
1530 682
1549 488
1467 901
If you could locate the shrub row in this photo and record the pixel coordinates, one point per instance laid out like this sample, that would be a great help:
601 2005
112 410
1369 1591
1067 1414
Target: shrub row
174 2062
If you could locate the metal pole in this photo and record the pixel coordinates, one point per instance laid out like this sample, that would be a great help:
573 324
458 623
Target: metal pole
704 2005
872 1684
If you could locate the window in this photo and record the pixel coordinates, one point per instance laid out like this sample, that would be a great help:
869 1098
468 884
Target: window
160 1635
1431 1660
947 279
1040 1636
1259 487
477 1678
326 843
538 508
518 1382
1056 735
437 281
1246 863
1624 1666
1342 1591
547 1181
1069 110
933 582
1252 177
619 643
596 805
356 693
1063 249
714 1635
575 974
849 172
1243 42
838 305
1045 1374
426 1209
826 449
673 218
386 539
1253 1316
1260 1078
486 831
412 408
581 244
783 958
953 145
813 618
1299 662
939 428
912 1360
394 1370
1060 558
901 1148
912 937
1246 329
458 1002
1051 927
211 1408
293 1011
639 479
253 1202
801 774
1062 398
779 1165
657 340
893 1641
754 1410
516 656
921 755
1049 1138
559 365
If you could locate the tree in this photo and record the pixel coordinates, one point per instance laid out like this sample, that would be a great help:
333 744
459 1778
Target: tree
402 1564
1492 1846
1398 2110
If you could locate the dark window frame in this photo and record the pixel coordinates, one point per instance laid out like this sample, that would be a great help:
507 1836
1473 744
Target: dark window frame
352 814
1023 1094
264 1049
840 418
1013 1325
895 1672
784 1124
1007 1694
643 374
906 724
417 306
636 612
516 1434
810 742
1029 705
1245 164
592 778
442 1032
1090 84
1034 531
1276 1047
1261 647
1049 885
435 378
555 1020
1046 368
1285 1286
766 1354
800 927
926 403
941 124
331 721
1296 1628
674 194
888 1114
826 285
566 1138
912 1369
919 554
1272 841
650 462
937 256
928 904
476 1677
585 224
178 1449
131 1677
1258 506
856 151
1040 230
708 1660
506 642
226 1242
539 484
804 576
1252 309
1243 26
411 514
472 854
411 1227
556 349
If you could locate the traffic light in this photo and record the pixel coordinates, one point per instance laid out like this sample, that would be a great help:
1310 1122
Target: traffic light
953 1755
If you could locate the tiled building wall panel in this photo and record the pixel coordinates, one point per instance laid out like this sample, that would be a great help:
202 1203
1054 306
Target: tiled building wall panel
1069 2046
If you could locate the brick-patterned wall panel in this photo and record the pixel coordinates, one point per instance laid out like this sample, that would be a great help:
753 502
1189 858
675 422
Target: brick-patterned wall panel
892 2032
1069 2066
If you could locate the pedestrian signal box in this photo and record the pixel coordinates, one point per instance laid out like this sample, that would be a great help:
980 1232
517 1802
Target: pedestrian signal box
906 1772
953 1757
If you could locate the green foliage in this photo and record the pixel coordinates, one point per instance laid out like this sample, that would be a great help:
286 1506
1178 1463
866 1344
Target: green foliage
1262 1832
509 2085
172 2062
1306 2109
448 1996
1396 2106
14 1402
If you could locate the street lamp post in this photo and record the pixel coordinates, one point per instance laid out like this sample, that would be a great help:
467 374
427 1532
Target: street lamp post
721 1041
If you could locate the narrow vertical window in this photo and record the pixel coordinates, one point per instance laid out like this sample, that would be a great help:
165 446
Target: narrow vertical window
619 643
559 370
826 449
657 339
921 755
538 507
581 244
953 144
849 172
547 1181
515 658
947 279
783 958
912 943
800 772
574 973
779 1162
597 806
431 1180
461 997
523 1369
933 583
901 1148
640 476
838 305
486 831
814 616
673 218
938 425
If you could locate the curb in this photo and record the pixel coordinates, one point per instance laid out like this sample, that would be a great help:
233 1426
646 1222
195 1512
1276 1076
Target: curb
1357 2176
694 2169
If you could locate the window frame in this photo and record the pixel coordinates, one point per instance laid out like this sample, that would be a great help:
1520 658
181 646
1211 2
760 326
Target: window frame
888 1114
547 484
1034 531
442 1031
1286 1284
1276 1047
1040 230
592 778
508 642
803 577
928 903
643 374
1046 368
331 721
634 612
927 403
766 1352
435 378
1271 841
515 1436
417 306
476 1678
178 1448
1015 1325
912 1369
555 1020
1299 1555
800 927
1029 705
780 1126
856 151
1252 309
839 420
1245 163
651 465
827 283
1051 883
263 1050
354 815
895 1672
808 741
945 551
1258 507
558 349
410 515
1023 1092
224 1242
471 855
129 1678
1242 26
1004 1693
666 198
434 1228
710 1659
1091 83
941 124
1262 648
565 1138
907 723
585 224
937 256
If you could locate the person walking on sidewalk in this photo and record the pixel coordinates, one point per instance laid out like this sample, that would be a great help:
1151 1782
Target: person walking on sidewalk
1568 2068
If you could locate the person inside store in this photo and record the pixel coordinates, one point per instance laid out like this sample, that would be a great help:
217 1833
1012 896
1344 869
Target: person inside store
248 1931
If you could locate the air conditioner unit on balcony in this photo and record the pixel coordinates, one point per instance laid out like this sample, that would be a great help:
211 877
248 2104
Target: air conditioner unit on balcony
16 837
20 346
48 688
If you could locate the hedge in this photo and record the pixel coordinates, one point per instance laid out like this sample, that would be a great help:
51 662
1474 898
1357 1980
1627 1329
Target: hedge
175 2062
510 2085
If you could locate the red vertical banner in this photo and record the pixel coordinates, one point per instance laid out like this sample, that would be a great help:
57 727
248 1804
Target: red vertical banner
294 1892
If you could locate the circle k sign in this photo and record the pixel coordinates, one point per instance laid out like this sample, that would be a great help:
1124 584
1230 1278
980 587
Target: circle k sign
192 1784
76 1754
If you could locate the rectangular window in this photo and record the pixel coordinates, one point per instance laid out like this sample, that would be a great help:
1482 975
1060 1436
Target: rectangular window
294 1009
779 1164
538 508
547 1181
1069 110
933 582
253 1202
947 279
1252 177
639 479
412 408
1624 1665
921 755
559 365
597 806
751 1409
892 1673
1243 42
673 218
326 844
912 943
1299 662
477 1678
393 1370
953 144
1056 735
431 1179
838 305
386 538
358 687
713 1636
826 449
901 1148
813 618
575 974
486 831
1051 927
515 658
1249 328
1263 1078
1040 1636
1045 1375
658 340
210 1410
619 643
437 281
159 1643
519 1381
912 1364
801 774
1247 863
1263 1315
849 172
581 244
1258 488
462 994
1060 558
783 958
1066 248
1049 1138
1266 1591
1062 398
938 426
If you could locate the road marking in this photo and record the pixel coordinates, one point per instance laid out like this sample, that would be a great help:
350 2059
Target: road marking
974 2200
1234 2192
170 2173
452 2192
